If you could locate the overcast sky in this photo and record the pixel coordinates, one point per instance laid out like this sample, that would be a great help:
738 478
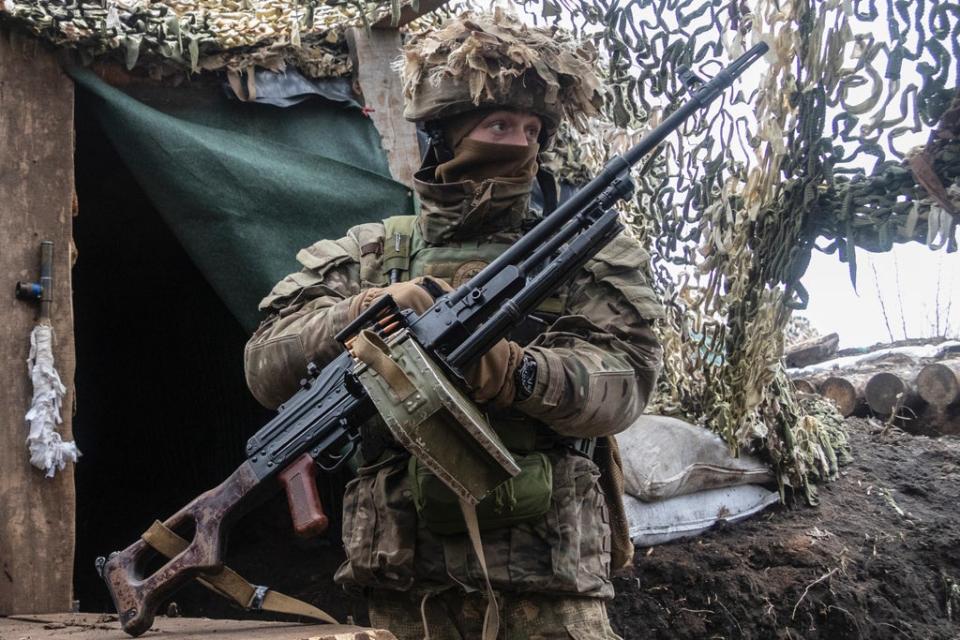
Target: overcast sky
908 278
914 281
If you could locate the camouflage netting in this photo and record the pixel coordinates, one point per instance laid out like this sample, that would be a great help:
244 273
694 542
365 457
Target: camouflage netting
174 36
846 134
848 137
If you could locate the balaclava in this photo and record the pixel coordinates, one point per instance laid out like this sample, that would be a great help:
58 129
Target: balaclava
484 189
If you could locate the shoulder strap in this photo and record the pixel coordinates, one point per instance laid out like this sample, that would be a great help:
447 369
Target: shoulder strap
397 242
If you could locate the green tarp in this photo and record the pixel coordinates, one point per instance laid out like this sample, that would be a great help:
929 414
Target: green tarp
245 186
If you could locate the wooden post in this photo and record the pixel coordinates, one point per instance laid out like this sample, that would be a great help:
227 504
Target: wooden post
373 51
36 195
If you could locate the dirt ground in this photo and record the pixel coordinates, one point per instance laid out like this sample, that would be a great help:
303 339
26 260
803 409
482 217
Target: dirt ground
878 558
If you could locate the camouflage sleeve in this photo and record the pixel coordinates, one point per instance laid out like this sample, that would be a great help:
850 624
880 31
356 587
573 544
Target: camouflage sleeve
597 364
307 309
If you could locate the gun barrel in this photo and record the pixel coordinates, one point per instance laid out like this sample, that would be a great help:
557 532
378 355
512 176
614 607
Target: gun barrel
549 225
532 263
703 97
617 167
599 232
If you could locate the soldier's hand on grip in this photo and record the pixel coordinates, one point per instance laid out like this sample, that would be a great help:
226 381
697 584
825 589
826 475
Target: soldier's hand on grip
490 378
407 295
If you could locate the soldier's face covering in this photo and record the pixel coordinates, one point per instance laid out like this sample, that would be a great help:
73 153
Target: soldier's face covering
471 210
484 189
478 161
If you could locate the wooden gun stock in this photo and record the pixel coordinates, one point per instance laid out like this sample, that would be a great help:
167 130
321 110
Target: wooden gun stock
315 423
137 596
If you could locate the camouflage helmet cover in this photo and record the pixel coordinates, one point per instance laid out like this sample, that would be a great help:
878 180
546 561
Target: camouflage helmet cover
494 60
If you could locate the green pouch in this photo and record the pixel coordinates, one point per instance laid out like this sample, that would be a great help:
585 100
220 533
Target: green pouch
524 497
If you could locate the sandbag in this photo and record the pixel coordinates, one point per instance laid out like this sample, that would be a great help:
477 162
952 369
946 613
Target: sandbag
653 523
666 457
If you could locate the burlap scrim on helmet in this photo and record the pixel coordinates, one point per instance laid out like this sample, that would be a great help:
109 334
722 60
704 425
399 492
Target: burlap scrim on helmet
485 60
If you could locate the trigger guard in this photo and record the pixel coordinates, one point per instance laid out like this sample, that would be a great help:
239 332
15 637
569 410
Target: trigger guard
330 463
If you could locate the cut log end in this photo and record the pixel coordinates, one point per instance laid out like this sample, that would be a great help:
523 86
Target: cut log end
939 384
842 393
887 392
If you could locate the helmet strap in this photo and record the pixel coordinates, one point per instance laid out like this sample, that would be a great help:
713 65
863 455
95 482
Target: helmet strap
437 151
548 188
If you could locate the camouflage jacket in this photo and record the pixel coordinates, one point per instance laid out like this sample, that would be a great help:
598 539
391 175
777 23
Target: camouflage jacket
597 363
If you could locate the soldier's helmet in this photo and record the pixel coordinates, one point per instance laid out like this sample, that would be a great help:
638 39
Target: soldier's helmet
493 60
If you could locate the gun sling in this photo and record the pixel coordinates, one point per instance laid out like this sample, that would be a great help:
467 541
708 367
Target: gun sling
491 618
370 349
230 584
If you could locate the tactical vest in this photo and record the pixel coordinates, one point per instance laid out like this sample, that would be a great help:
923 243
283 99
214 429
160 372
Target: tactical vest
526 508
406 255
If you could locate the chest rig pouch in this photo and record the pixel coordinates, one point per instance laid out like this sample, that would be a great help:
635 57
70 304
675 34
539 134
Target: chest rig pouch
522 496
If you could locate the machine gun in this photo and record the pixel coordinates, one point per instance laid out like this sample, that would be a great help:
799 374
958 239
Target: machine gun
401 365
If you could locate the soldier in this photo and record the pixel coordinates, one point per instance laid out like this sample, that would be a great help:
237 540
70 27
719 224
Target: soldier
491 93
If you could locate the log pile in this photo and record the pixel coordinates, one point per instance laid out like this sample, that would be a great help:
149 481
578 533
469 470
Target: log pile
813 351
920 389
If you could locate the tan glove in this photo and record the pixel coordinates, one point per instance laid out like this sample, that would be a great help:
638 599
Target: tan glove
491 377
407 295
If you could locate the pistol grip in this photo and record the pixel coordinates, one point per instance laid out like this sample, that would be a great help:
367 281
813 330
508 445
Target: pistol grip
299 480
